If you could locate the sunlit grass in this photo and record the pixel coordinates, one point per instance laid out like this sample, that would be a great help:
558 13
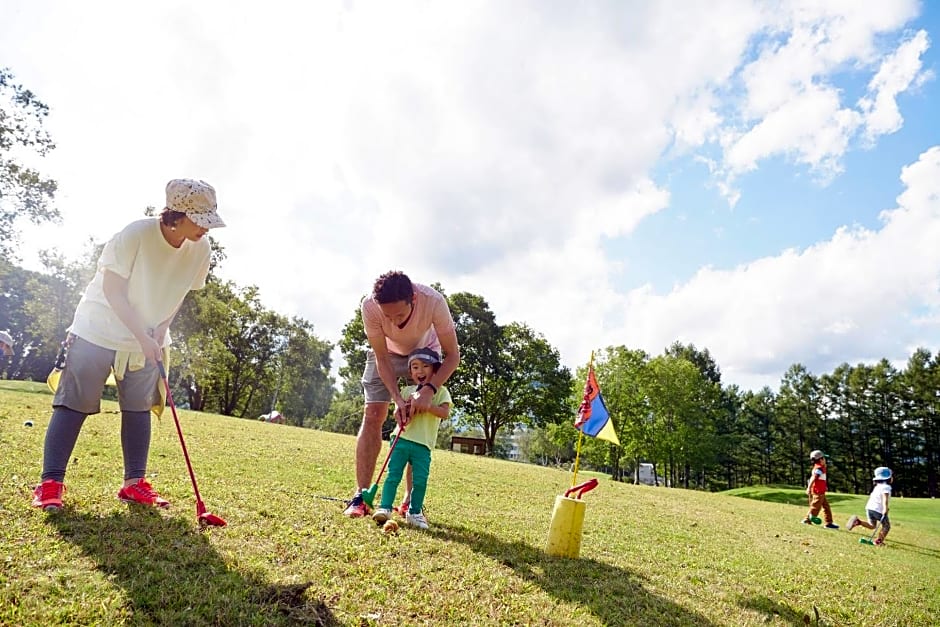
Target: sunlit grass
650 556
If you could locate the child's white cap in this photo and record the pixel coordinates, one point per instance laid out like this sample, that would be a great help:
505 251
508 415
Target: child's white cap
882 474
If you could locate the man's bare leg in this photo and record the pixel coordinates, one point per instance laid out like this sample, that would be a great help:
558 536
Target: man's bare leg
369 443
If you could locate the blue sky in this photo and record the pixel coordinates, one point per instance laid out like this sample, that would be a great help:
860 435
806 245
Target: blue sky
782 205
757 178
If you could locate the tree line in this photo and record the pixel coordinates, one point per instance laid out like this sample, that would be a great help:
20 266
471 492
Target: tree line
233 356
672 410
230 355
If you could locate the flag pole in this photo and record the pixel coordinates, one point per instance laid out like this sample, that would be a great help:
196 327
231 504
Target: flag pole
577 455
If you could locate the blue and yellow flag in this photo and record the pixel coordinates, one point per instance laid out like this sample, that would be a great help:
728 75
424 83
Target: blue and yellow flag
593 417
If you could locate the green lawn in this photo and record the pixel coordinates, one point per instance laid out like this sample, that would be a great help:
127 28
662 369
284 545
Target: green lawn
650 556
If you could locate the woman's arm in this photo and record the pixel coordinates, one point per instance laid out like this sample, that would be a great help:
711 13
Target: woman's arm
115 291
159 334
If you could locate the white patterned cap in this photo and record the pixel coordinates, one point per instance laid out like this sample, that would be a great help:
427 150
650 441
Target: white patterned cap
196 199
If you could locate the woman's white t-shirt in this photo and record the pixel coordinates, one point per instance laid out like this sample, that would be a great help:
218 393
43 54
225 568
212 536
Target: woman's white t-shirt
158 275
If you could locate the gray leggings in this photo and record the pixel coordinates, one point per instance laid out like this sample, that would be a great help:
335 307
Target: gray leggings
62 435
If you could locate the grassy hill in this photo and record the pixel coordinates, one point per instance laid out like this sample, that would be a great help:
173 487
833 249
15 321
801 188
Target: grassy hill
650 556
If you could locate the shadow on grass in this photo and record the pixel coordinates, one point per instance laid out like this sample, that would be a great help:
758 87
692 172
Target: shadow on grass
773 609
787 497
913 548
172 575
616 596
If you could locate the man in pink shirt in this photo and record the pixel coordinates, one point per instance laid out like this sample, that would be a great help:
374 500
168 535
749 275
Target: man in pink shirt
398 317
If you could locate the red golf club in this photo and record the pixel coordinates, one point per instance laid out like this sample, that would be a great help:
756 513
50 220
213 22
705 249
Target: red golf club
581 488
369 495
204 517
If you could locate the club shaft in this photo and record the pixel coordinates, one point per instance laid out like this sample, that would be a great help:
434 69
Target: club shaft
387 457
179 430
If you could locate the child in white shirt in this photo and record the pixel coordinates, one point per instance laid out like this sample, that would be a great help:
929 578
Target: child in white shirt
877 506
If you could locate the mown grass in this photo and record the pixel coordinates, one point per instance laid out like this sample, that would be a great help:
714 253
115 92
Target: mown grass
650 556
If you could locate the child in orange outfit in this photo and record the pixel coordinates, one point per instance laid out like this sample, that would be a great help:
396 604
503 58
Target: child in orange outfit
816 490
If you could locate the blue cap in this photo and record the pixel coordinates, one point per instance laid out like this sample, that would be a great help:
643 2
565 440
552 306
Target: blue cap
427 355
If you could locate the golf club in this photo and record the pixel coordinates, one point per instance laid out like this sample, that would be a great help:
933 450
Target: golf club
870 540
204 517
581 488
330 498
368 496
816 520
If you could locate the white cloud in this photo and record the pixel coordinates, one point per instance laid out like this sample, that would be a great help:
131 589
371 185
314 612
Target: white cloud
791 108
695 121
811 40
896 74
810 126
505 149
842 300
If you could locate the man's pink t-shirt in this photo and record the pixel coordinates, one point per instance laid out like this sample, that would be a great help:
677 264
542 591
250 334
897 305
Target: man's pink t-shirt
431 316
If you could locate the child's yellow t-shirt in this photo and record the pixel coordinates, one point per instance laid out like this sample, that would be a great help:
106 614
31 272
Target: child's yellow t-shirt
423 427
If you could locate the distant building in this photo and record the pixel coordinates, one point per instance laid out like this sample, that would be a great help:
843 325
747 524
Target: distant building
645 474
464 444
515 452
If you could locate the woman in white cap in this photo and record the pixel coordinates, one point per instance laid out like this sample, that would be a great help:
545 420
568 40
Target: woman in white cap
121 324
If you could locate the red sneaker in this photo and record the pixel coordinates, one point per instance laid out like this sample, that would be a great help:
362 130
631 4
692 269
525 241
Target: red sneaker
143 493
402 510
357 508
48 495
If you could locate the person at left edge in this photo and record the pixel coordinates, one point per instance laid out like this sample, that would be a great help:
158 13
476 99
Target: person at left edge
6 344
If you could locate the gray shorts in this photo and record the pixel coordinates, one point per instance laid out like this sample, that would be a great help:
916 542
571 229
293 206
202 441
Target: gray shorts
87 367
372 386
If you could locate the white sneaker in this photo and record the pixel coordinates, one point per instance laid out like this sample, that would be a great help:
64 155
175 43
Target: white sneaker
853 520
417 520
381 515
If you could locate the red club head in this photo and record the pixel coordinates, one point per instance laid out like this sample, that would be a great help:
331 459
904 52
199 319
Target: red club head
208 519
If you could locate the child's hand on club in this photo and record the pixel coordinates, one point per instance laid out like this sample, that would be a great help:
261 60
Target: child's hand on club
401 415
